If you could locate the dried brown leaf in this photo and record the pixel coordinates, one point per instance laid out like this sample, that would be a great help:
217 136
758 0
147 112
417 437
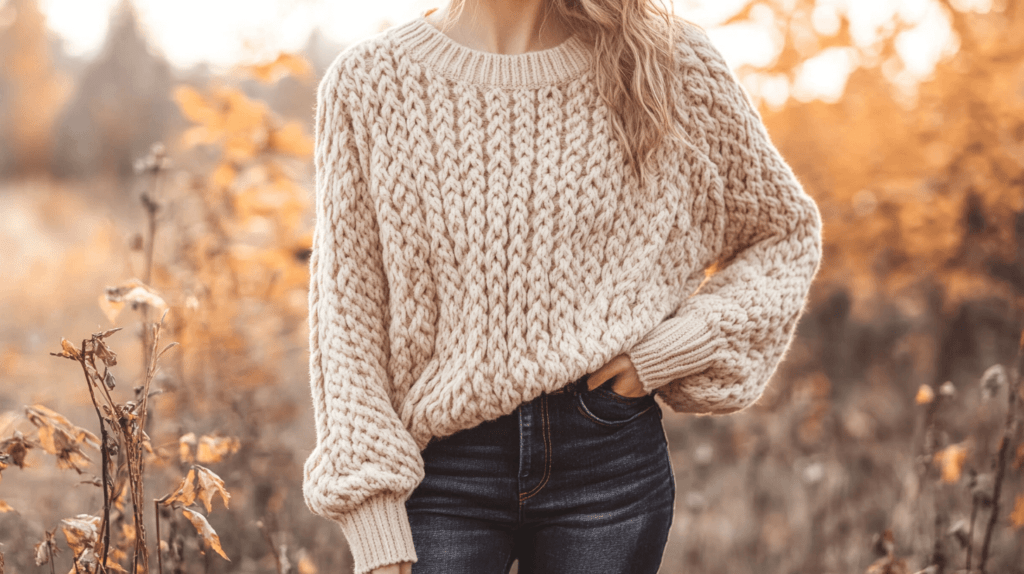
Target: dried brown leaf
113 565
15 448
285 64
41 415
42 553
62 439
108 380
213 449
147 444
925 395
134 292
209 485
1017 516
4 507
107 333
82 532
105 353
88 561
127 532
186 492
69 455
47 547
117 554
68 350
951 460
56 442
205 531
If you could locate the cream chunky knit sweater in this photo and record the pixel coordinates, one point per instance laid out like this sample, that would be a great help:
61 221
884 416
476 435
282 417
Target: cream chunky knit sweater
479 241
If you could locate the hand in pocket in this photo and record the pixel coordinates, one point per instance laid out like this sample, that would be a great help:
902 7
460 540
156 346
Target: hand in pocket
621 368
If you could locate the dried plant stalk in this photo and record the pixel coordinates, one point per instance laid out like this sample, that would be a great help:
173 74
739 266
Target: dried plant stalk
1004 443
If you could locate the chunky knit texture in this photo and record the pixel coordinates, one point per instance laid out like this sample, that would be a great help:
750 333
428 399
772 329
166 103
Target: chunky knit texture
479 240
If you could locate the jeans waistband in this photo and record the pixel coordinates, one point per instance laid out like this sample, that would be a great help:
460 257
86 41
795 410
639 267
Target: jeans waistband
573 387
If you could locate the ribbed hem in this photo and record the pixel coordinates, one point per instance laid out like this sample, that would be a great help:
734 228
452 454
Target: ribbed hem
675 348
378 533
534 69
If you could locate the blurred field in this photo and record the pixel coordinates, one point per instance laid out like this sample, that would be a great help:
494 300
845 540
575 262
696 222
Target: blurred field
880 445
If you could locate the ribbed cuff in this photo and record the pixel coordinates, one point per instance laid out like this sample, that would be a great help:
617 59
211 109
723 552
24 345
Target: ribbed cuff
378 533
675 348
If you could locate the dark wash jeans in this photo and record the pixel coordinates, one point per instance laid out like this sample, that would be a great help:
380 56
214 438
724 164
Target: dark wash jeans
576 481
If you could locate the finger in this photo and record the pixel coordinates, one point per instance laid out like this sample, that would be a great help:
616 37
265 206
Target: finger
601 375
630 365
629 386
622 362
622 387
598 378
407 568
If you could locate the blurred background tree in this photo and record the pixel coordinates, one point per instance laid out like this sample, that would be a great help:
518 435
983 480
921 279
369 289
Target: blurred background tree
918 180
31 92
120 107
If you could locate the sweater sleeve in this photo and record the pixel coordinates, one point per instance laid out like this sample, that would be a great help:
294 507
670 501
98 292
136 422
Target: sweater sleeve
718 350
365 463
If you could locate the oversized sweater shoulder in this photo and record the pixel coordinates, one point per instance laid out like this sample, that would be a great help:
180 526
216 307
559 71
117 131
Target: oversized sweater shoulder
479 240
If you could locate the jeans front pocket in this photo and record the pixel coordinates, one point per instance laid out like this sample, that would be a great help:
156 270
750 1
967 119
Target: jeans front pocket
610 409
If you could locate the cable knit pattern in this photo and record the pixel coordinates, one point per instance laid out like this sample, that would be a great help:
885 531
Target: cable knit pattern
479 240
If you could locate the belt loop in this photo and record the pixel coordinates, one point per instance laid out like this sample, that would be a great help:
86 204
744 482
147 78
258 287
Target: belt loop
578 384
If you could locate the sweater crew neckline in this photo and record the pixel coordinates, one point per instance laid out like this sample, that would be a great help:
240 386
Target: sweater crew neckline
538 68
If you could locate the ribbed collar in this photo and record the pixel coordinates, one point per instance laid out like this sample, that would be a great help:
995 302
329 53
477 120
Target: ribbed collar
437 50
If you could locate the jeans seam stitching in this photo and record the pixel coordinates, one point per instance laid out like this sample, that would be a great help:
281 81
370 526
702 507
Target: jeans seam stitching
547 457
594 418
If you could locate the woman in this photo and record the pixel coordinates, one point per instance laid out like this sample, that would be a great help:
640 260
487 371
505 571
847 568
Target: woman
516 206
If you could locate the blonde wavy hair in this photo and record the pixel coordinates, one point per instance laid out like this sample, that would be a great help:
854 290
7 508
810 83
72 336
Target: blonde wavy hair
632 42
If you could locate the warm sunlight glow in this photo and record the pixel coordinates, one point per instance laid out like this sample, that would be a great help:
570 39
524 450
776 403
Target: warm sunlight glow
232 31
